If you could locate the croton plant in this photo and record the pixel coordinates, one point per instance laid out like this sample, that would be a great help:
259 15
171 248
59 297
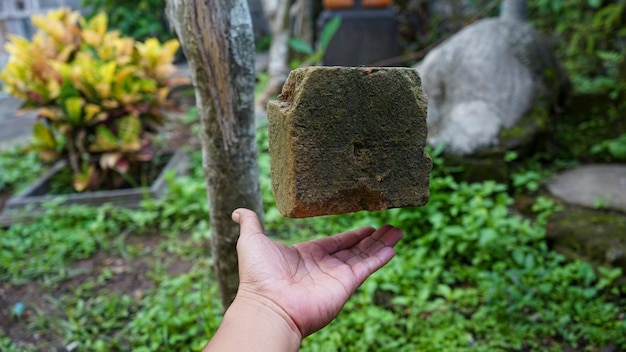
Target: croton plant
100 97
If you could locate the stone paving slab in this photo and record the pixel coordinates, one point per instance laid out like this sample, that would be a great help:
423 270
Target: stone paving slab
592 186
15 127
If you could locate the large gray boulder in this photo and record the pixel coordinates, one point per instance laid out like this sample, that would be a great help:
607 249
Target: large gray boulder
491 84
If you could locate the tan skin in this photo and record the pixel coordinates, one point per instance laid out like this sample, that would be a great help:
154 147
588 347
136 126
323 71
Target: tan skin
288 292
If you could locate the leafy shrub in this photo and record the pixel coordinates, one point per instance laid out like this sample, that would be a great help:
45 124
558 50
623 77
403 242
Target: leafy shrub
614 149
589 40
137 19
100 96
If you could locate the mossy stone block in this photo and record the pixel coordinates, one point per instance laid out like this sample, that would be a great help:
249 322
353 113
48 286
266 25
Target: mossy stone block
345 139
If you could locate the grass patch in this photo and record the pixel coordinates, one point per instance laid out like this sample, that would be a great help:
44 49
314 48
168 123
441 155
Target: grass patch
469 275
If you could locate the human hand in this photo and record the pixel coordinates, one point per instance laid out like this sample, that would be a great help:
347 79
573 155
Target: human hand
308 283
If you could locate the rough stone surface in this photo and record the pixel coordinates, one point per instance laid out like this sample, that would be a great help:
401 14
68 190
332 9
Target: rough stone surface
592 186
484 82
594 236
348 139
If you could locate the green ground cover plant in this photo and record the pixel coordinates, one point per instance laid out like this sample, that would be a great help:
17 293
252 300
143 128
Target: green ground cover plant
17 168
469 275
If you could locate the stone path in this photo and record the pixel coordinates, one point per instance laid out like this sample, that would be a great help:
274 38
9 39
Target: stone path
592 186
15 128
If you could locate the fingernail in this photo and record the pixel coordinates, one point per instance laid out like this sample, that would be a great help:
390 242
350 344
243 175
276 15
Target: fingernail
235 216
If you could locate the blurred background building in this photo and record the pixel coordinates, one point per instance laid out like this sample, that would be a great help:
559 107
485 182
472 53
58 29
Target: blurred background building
15 18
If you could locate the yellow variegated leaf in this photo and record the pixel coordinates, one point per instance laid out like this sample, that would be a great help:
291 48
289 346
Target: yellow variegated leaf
105 140
17 45
168 51
64 128
99 23
109 160
95 29
91 38
91 112
110 104
103 89
50 113
54 88
74 109
84 179
107 72
149 50
129 132
59 25
123 74
161 96
48 155
43 136
163 71
64 55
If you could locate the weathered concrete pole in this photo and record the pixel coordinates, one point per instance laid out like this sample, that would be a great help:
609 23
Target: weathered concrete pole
344 139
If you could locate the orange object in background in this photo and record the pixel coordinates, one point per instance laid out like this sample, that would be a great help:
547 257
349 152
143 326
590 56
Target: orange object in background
338 4
375 3
346 4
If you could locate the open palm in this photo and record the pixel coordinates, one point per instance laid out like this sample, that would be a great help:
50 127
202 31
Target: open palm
311 281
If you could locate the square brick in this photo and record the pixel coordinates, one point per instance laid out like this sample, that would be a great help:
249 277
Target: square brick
345 139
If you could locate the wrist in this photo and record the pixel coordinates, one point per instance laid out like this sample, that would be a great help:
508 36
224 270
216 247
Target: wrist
255 323
269 310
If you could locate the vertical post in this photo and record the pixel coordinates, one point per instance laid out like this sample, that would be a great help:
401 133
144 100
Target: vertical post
217 39
513 10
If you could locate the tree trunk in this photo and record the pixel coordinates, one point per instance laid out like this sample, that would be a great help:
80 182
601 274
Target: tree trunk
303 23
278 17
216 37
513 10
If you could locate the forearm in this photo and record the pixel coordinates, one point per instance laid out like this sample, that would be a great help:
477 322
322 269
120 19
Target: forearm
251 325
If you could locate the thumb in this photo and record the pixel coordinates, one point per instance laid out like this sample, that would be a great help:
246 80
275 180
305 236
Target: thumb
248 221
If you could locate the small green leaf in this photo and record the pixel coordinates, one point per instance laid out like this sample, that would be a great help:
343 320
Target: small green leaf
68 89
105 140
510 156
444 290
529 261
594 3
486 236
618 149
300 46
518 256
329 31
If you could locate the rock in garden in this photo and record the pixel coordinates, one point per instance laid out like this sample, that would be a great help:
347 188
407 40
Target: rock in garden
345 139
592 186
595 236
491 85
